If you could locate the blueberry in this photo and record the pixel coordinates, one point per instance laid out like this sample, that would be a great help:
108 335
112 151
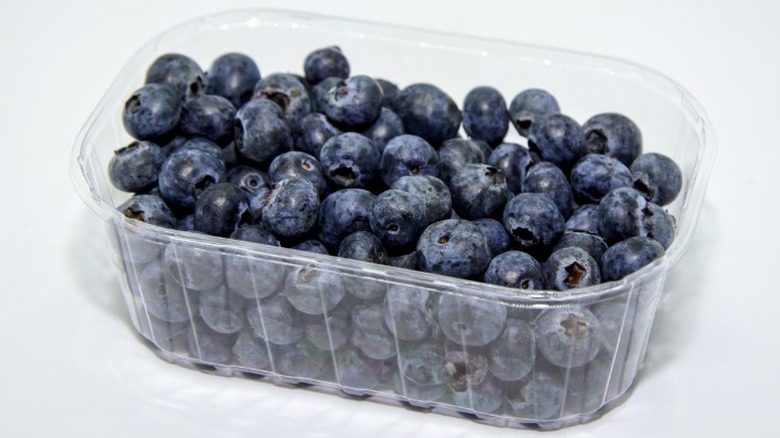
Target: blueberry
314 291
422 377
209 346
331 331
186 173
456 153
386 127
301 359
470 322
434 193
408 313
629 256
539 396
187 223
194 268
253 278
625 213
354 103
528 105
406 261
584 218
319 93
221 209
568 337
569 268
357 373
479 191
344 212
428 112
222 311
296 164
594 244
533 221
615 318
389 92
514 160
595 175
464 367
324 63
369 333
312 245
453 247
233 76
135 167
256 234
495 235
247 178
251 351
515 269
350 160
547 178
588 387
152 113
197 143
557 138
511 356
363 246
316 129
662 225
657 177
485 116
614 135
289 93
260 135
148 208
292 207
483 398
407 155
208 116
163 334
275 320
178 71
398 218
164 298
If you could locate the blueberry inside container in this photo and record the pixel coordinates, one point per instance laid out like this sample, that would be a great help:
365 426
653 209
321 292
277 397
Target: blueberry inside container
397 336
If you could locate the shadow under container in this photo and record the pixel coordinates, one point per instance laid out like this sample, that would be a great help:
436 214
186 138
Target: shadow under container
388 334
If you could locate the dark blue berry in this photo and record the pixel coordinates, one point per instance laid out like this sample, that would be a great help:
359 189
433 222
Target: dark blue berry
515 269
220 209
479 191
178 71
533 221
312 245
548 179
163 297
291 208
233 76
629 256
485 116
324 63
208 116
209 346
135 167
148 208
289 93
557 138
251 351
428 112
511 356
529 105
350 160
194 268
316 129
495 234
186 173
657 177
514 160
407 155
568 337
386 127
260 135
408 313
275 320
594 244
256 234
354 103
614 135
569 268
398 218
152 113
470 322
294 164
456 153
453 247
389 92
369 333
434 193
314 291
342 213
247 178
584 218
595 175
222 311
363 246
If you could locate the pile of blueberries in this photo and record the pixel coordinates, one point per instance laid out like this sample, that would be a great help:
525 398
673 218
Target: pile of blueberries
356 167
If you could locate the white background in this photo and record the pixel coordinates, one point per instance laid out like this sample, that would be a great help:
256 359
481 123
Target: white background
70 365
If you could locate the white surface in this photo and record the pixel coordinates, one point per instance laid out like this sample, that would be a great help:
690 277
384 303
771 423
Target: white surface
72 367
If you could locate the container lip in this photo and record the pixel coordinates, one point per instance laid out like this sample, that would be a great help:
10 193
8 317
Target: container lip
691 204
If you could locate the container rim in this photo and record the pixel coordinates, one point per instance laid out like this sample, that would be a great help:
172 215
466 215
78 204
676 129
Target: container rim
691 204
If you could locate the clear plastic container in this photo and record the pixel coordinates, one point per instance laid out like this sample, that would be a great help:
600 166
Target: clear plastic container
367 345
